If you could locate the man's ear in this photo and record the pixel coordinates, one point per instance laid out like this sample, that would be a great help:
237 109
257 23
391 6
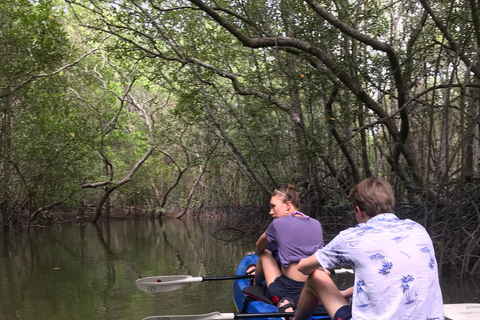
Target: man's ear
361 215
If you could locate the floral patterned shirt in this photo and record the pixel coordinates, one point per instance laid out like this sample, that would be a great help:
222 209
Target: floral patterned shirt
396 274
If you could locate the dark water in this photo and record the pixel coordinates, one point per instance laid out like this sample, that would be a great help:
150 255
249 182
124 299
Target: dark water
89 272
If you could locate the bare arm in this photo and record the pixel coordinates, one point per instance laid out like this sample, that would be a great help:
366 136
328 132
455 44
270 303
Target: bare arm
262 244
307 265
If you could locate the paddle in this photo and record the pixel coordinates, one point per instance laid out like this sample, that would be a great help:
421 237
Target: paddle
342 270
229 316
457 311
171 283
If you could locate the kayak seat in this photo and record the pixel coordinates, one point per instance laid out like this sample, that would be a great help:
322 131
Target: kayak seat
257 293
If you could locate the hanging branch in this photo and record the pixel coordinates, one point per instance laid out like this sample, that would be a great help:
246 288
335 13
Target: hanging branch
5 91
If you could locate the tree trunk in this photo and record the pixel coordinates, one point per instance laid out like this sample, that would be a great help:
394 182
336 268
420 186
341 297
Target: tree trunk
98 211
5 172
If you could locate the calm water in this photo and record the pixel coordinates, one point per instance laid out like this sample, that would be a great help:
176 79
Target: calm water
89 272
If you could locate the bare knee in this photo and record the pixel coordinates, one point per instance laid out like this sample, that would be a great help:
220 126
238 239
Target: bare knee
318 278
269 266
266 254
319 275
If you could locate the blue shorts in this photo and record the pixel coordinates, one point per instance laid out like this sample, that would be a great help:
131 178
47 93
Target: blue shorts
283 287
344 313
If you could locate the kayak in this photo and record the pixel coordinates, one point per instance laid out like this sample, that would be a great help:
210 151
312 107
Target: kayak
246 304
250 308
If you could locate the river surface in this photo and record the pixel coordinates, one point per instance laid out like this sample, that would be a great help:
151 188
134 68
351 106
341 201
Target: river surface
88 272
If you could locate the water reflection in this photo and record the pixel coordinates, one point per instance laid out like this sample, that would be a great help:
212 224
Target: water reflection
456 290
89 272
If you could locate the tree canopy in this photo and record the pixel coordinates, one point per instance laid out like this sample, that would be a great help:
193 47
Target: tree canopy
207 104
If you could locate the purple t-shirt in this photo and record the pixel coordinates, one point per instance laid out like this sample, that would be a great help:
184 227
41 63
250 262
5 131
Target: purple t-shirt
297 237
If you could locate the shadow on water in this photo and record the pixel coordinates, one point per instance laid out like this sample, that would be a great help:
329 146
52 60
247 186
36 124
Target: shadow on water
89 271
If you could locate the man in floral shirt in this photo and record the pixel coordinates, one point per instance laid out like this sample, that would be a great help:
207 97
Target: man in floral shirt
396 274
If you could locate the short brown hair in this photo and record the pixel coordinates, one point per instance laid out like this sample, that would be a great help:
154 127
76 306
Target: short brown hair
373 196
289 192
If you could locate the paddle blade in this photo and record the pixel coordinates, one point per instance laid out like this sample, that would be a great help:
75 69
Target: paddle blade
165 283
208 316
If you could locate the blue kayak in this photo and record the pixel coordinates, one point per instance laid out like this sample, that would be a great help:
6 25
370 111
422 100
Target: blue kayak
245 304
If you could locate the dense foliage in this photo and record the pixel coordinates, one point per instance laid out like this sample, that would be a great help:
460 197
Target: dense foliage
188 107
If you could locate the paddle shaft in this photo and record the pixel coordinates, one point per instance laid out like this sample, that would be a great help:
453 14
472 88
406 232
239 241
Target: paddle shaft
174 282
457 311
243 276
230 316
273 315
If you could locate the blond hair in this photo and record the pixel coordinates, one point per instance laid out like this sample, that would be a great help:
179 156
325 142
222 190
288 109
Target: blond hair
288 192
